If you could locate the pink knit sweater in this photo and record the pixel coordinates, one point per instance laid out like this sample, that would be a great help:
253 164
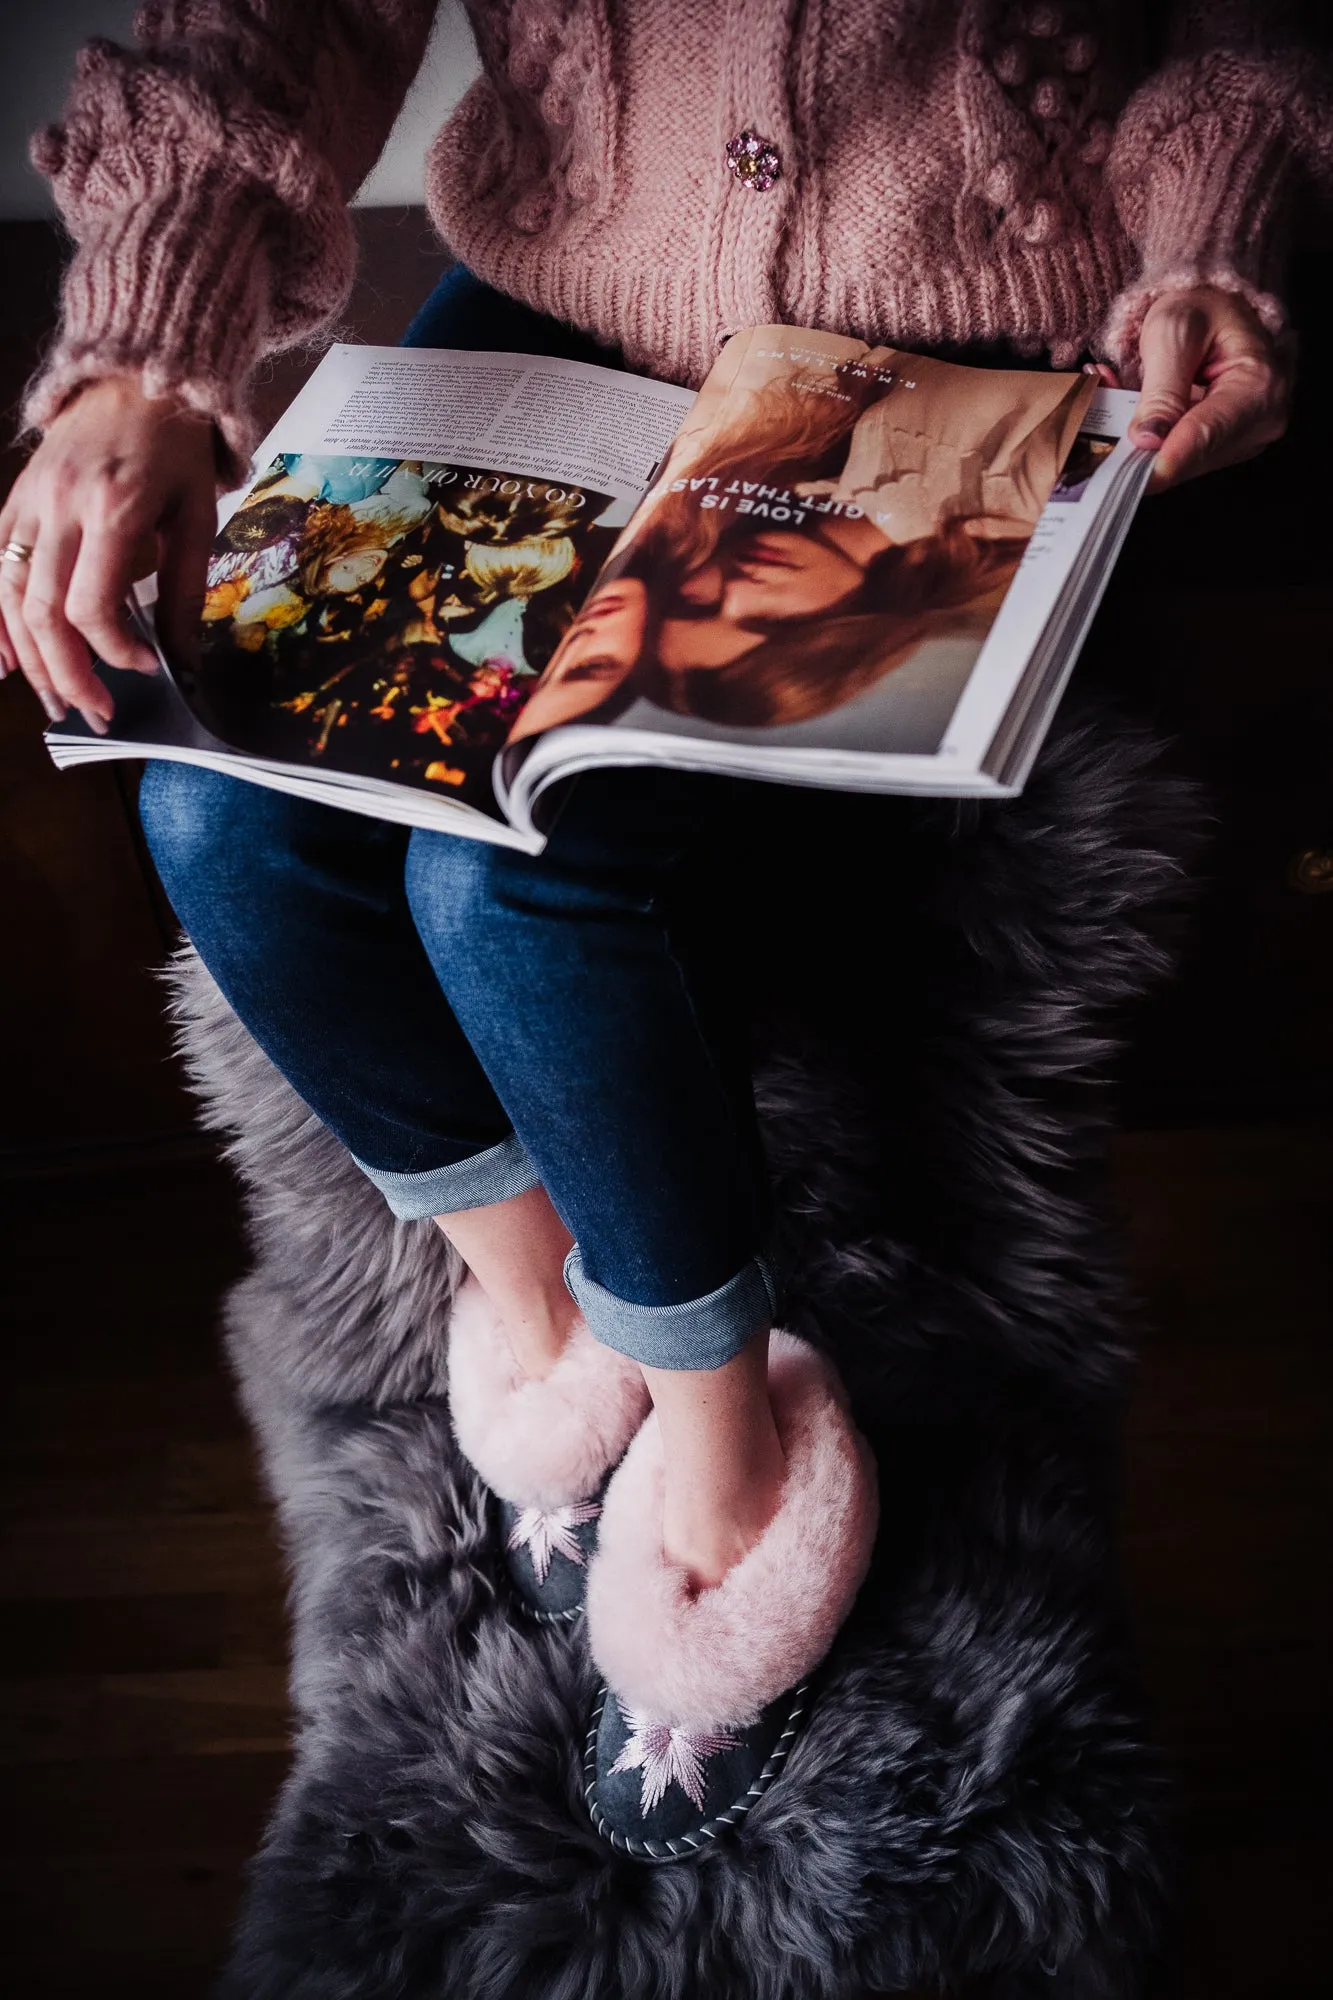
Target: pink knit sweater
947 170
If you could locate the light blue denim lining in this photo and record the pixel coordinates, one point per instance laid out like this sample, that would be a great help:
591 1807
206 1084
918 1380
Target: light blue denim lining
495 1175
700 1333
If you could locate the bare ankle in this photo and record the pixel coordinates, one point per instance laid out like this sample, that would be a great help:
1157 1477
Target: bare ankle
722 1459
708 1528
539 1331
515 1250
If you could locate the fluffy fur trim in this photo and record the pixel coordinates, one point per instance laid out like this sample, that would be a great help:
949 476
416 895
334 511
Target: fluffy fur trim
541 1443
978 1751
717 1657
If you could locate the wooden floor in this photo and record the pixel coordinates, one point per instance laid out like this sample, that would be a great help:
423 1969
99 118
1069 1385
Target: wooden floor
143 1726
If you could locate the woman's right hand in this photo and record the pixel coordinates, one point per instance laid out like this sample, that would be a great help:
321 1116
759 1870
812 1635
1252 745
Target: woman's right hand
121 484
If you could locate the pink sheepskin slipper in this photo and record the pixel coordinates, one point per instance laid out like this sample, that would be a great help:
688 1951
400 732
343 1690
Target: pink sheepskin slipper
716 1659
538 1444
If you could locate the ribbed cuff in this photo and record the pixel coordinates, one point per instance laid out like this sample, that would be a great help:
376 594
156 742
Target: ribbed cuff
1123 331
495 1175
1205 194
702 1333
176 288
171 291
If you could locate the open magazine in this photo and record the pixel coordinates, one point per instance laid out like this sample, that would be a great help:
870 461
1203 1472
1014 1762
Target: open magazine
458 579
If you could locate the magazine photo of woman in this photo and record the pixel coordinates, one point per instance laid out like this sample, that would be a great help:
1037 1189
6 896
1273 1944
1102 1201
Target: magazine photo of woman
896 513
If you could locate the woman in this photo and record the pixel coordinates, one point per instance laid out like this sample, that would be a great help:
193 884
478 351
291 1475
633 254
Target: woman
748 620
776 625
528 1050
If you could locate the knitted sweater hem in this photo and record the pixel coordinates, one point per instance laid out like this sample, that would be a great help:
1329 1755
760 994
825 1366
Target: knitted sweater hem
966 187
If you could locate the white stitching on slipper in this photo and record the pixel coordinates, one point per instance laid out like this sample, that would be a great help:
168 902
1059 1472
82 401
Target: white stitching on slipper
709 1833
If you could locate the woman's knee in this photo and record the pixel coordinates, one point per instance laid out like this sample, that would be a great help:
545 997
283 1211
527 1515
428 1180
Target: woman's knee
214 835
187 814
453 888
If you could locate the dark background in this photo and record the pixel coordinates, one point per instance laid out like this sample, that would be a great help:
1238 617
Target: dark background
142 1711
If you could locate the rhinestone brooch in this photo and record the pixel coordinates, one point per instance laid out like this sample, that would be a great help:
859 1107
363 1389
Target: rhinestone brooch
755 162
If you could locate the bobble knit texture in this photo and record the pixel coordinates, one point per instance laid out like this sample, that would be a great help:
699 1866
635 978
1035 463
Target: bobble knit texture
970 171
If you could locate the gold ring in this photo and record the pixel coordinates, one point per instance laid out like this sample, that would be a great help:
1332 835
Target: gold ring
16 552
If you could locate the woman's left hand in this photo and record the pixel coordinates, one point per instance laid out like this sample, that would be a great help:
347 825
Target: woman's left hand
1216 384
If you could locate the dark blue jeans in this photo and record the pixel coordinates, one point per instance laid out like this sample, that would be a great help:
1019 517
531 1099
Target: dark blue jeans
471 1021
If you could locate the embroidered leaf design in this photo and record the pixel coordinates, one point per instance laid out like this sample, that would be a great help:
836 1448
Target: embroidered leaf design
545 1534
668 1756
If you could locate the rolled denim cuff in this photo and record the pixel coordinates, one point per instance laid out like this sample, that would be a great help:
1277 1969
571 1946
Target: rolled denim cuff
701 1333
495 1175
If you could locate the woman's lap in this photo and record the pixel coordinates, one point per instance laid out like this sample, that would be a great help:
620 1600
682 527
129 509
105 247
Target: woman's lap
300 914
580 980
354 951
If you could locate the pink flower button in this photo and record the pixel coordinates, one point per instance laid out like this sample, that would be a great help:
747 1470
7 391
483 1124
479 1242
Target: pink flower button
755 162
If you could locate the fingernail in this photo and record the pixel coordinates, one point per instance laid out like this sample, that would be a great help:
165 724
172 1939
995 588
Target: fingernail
54 707
1158 427
97 723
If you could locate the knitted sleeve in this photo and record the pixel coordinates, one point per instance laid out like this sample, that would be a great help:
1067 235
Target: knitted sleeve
1207 156
204 177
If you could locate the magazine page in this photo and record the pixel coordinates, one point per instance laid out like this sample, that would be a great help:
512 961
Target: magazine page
153 720
424 526
816 574
1034 642
421 530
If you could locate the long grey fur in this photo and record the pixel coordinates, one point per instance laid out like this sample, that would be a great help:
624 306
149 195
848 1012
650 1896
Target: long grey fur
976 1798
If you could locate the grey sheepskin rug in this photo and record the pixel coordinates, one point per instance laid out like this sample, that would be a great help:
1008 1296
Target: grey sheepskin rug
975 1804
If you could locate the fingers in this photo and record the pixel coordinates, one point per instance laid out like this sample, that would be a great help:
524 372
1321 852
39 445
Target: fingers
183 574
42 610
67 599
51 615
1239 415
1177 334
9 659
1215 385
97 596
105 487
13 579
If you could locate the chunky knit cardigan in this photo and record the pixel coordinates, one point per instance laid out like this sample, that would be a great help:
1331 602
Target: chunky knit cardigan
937 172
